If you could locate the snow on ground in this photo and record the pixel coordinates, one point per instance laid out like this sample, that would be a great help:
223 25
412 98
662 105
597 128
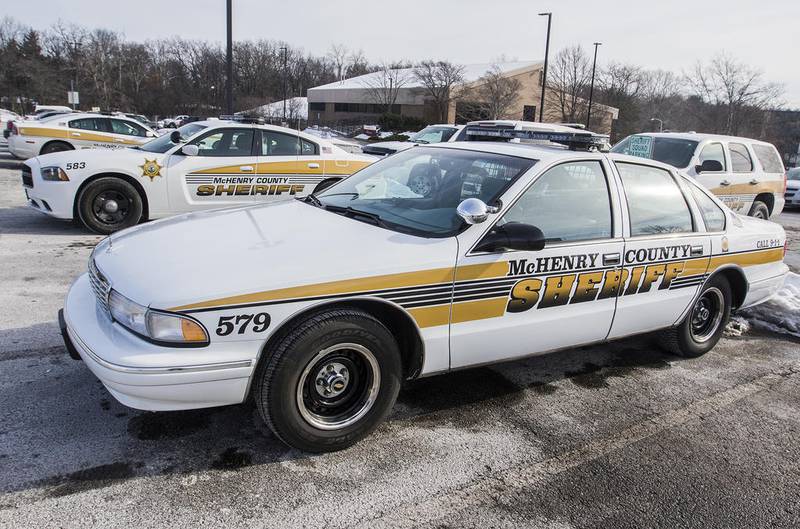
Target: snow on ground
780 314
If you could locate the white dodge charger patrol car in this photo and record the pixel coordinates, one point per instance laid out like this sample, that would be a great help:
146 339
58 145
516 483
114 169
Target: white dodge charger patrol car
202 165
73 131
319 308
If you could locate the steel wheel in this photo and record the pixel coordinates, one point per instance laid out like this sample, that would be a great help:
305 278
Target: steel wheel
422 185
707 314
338 386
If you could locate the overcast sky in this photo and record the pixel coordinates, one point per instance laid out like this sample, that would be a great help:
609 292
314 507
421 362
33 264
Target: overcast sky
655 34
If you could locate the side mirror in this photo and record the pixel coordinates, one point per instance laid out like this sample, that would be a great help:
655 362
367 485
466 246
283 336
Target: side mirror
474 210
175 136
512 236
190 150
709 166
151 134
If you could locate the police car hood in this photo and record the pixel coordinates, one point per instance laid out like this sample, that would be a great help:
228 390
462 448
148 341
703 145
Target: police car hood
228 252
395 146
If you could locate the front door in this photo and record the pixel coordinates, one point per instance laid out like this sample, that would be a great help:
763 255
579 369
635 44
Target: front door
515 303
223 173
665 257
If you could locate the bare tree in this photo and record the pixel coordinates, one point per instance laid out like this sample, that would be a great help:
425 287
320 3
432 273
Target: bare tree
384 85
440 80
338 55
568 79
734 88
358 64
498 93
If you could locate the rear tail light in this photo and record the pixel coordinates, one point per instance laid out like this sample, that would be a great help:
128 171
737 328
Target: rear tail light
13 127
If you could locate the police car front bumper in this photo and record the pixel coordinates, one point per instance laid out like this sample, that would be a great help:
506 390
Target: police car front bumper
146 376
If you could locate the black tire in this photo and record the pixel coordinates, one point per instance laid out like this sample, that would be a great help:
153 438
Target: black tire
424 185
95 207
325 184
56 146
759 210
704 324
291 380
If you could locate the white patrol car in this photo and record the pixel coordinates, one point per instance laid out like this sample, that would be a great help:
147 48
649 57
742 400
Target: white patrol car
319 308
747 175
67 132
202 165
429 135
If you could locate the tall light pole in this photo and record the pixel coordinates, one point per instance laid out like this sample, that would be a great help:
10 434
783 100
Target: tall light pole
591 87
229 63
546 55
285 50
660 124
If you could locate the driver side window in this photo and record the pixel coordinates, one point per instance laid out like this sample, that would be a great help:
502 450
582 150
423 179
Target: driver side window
713 151
569 202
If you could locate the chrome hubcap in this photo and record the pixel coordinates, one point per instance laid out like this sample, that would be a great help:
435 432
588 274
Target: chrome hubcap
332 380
110 206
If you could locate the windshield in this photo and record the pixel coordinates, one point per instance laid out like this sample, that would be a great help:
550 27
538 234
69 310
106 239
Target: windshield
164 143
433 135
673 151
417 191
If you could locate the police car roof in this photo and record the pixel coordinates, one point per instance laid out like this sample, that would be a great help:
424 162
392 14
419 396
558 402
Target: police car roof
698 136
534 151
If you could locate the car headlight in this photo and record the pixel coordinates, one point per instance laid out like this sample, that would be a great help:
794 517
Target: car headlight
164 327
54 174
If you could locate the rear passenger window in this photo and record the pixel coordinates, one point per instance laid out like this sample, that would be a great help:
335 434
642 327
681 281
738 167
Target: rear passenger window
768 157
279 144
570 202
655 202
308 148
713 216
740 158
713 151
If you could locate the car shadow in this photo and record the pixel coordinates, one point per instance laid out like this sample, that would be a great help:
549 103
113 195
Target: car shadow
22 220
127 444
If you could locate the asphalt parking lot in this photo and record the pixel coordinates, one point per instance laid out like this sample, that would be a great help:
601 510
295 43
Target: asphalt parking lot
619 435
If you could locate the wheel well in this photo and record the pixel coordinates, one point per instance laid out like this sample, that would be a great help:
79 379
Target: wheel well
395 319
768 199
738 283
71 147
132 181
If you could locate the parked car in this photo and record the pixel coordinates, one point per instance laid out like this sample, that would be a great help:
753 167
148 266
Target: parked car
746 174
6 118
68 132
319 309
202 165
792 195
428 135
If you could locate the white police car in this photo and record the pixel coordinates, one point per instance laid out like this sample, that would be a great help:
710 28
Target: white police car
202 165
320 308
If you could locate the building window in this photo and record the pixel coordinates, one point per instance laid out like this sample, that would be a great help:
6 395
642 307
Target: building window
316 107
364 108
529 113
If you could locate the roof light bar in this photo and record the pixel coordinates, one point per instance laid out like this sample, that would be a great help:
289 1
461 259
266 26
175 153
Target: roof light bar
573 140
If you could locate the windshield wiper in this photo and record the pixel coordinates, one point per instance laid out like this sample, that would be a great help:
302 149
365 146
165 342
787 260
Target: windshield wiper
353 213
310 198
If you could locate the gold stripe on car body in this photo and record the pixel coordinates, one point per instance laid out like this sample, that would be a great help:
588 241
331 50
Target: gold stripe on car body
298 167
84 135
771 186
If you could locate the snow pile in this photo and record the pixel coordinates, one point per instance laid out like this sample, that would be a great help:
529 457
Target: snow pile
737 326
781 313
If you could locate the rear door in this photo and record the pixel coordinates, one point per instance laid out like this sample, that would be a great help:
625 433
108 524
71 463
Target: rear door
282 173
514 303
87 133
744 183
666 251
223 173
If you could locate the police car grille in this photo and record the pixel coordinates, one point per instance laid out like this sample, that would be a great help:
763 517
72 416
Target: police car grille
99 285
27 176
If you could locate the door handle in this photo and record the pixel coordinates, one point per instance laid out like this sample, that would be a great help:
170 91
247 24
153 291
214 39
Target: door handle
313 166
119 140
753 182
724 183
610 259
76 133
246 168
696 251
